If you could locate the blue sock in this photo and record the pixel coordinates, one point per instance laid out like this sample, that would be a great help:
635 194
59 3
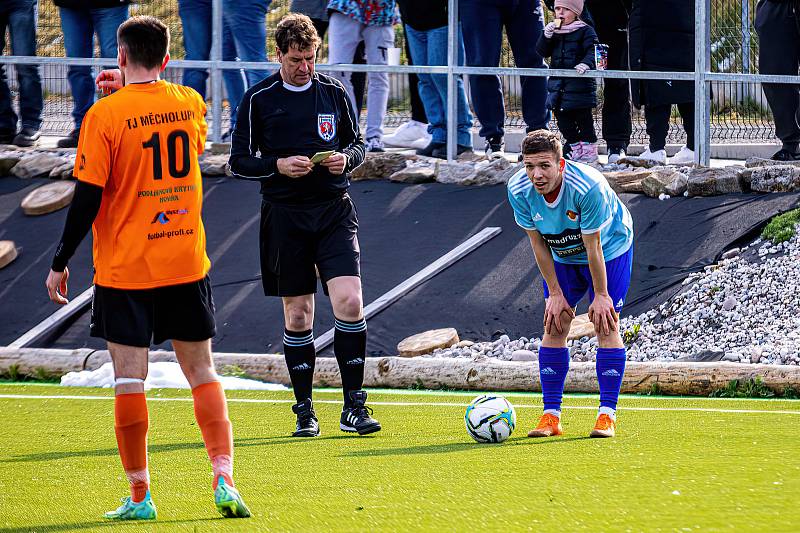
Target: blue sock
610 369
553 367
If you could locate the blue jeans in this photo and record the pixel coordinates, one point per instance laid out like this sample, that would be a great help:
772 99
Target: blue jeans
79 27
430 48
20 17
197 22
483 22
247 20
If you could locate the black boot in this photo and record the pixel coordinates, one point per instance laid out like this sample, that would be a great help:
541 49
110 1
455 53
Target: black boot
356 418
307 425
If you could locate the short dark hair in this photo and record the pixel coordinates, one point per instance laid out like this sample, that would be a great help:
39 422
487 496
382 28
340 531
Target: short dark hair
296 31
539 141
145 40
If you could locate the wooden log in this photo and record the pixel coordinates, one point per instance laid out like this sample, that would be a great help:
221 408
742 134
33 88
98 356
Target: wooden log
437 373
32 362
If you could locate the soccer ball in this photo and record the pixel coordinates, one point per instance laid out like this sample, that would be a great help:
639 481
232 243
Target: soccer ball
490 418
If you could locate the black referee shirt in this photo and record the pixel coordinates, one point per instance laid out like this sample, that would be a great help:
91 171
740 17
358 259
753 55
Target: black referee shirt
275 121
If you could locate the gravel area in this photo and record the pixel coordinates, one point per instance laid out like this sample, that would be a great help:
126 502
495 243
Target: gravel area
745 309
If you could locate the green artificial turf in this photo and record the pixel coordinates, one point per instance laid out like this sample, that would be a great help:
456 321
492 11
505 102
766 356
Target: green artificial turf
676 464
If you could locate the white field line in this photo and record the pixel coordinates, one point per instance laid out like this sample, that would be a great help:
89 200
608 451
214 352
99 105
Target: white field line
410 404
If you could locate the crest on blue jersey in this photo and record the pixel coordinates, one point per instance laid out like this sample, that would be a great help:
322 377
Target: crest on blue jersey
326 126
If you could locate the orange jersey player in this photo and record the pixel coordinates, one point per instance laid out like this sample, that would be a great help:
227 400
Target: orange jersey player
140 189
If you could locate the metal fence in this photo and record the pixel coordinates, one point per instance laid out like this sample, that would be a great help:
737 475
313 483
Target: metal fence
726 41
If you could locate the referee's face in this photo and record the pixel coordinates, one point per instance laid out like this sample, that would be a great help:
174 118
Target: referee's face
297 66
544 170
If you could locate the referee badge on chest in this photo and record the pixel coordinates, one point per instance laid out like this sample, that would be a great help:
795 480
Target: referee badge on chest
326 126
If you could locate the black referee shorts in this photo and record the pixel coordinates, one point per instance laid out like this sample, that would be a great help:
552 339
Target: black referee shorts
295 238
135 317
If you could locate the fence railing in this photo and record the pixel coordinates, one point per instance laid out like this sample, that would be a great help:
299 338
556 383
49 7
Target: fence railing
703 76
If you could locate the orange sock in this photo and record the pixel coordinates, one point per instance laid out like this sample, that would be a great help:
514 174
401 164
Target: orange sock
211 412
130 426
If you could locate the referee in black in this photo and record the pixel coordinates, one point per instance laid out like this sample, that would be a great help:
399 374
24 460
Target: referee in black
307 217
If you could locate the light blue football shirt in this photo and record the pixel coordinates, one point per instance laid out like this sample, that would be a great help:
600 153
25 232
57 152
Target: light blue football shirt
585 204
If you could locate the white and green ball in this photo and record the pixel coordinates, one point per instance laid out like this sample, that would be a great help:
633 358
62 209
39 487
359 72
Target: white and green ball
490 419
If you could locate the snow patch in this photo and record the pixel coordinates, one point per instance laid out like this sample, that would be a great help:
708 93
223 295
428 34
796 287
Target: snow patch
159 376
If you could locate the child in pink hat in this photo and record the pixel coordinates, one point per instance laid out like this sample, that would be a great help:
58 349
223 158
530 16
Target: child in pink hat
570 44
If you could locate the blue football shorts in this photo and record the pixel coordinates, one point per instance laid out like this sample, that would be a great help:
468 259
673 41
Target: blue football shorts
575 280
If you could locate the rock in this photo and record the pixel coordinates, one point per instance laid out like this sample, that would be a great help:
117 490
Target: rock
678 185
664 182
473 156
464 344
7 162
214 165
730 254
35 165
730 303
426 342
492 172
524 355
626 181
381 165
713 181
779 178
220 148
638 162
63 171
581 327
759 162
8 253
732 357
48 198
455 172
705 356
418 172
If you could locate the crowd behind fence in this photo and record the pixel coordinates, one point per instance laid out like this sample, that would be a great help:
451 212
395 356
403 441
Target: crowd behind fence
738 112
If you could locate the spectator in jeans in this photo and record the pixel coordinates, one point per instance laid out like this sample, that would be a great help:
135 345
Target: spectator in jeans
19 16
80 22
483 22
661 36
778 27
196 19
371 21
247 20
427 36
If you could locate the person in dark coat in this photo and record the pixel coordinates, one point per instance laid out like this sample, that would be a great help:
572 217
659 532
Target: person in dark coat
778 27
661 37
569 42
610 21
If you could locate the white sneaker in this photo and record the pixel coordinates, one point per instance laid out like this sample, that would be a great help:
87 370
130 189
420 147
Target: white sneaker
412 134
374 144
588 153
684 157
616 156
659 156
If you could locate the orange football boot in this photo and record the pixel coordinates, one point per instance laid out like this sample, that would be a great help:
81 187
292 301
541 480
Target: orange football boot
604 427
549 426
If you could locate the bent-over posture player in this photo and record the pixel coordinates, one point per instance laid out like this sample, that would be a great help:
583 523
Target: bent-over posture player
582 239
140 189
307 217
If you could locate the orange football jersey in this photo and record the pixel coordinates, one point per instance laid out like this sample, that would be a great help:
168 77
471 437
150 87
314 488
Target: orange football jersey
141 145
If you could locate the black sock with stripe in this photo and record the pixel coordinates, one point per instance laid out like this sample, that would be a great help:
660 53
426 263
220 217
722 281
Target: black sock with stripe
350 347
298 347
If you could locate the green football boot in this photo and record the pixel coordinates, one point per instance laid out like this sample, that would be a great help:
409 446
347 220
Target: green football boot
129 510
229 501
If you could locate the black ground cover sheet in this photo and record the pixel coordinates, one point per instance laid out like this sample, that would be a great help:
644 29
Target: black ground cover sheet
494 290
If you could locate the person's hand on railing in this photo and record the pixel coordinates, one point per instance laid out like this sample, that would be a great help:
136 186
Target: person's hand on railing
110 80
582 68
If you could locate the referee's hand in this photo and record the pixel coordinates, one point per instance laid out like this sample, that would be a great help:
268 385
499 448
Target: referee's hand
296 166
335 163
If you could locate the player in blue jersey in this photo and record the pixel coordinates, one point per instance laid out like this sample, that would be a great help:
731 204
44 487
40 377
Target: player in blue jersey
582 238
